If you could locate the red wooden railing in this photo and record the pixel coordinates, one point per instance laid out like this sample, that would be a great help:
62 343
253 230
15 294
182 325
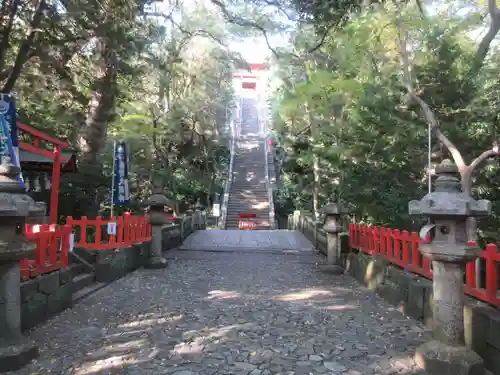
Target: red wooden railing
93 233
402 248
53 241
52 246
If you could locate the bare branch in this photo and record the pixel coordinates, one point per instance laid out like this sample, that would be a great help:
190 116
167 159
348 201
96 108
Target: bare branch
426 109
322 39
483 157
485 44
237 20
9 8
199 32
465 170
26 46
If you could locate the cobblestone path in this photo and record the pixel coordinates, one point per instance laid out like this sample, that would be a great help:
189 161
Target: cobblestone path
229 313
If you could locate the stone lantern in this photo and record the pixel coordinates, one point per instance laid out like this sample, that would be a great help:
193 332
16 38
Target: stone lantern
15 208
333 227
158 219
448 208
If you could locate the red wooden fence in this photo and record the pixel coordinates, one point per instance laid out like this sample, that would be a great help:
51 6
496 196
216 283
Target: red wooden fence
52 246
93 234
53 241
402 248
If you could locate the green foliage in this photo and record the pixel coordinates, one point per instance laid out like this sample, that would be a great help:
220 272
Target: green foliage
347 108
95 72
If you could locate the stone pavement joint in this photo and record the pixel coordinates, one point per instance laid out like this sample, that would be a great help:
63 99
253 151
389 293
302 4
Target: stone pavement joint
229 313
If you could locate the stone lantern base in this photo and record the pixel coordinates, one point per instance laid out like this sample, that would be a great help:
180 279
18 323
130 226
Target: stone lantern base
156 259
332 269
156 262
16 353
436 358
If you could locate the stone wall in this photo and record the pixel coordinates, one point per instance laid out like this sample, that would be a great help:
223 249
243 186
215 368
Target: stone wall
45 296
49 294
111 265
411 293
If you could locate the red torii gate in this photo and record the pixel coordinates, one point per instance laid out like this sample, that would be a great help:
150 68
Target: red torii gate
33 141
254 67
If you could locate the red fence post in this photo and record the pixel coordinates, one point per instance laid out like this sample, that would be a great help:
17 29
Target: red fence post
397 246
405 239
491 253
126 225
53 244
65 234
120 228
390 244
83 231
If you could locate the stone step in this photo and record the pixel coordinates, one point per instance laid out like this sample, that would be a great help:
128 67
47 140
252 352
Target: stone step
245 185
245 203
248 189
76 269
236 214
248 208
249 198
87 291
82 281
258 215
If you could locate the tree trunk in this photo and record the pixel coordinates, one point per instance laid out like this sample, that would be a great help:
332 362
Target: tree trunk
316 171
23 54
100 111
100 108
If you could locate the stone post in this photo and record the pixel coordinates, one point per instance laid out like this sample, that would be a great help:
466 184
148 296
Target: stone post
296 220
333 227
15 208
449 208
158 219
181 223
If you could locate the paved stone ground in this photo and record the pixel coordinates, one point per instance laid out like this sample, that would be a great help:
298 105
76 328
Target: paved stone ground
259 240
229 313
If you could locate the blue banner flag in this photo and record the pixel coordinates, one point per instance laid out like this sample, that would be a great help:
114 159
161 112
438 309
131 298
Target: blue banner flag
7 151
121 192
9 112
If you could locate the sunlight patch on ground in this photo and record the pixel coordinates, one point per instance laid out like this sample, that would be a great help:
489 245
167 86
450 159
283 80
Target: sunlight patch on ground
96 367
340 307
150 322
194 340
396 365
249 145
116 356
127 347
223 294
303 295
260 205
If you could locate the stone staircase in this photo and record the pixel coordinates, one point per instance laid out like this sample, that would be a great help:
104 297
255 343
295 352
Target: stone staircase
249 190
82 273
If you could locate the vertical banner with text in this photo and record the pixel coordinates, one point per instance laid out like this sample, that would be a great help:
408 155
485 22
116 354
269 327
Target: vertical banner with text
7 152
9 113
121 186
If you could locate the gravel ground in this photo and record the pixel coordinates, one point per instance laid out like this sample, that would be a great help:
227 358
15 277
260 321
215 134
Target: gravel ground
229 313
